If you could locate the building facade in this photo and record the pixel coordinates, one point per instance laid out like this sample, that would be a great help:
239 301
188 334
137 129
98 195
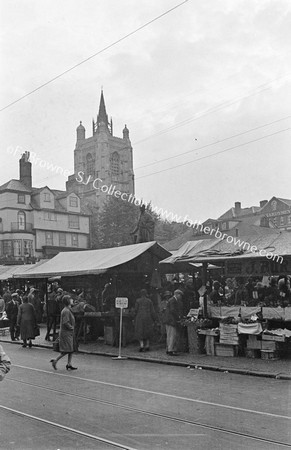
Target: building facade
39 222
101 160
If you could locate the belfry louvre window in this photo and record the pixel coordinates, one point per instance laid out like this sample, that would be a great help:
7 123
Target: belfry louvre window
114 164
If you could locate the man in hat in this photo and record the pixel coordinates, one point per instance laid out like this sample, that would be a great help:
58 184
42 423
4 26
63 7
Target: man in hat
173 315
12 311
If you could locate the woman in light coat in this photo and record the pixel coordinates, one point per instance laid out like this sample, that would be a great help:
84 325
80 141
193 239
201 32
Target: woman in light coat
66 337
26 320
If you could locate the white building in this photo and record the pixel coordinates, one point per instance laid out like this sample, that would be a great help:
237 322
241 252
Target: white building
39 222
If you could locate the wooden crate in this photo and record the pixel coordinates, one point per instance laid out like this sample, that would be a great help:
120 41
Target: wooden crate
269 354
253 353
253 343
210 342
270 345
273 337
226 349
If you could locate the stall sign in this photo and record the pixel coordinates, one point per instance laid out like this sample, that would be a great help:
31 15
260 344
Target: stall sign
121 302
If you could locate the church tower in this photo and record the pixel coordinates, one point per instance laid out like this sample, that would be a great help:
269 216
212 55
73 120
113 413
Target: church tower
101 160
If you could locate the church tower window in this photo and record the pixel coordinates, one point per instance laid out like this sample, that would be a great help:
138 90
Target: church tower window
89 164
114 164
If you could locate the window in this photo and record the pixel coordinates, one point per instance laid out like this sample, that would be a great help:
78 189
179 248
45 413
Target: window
27 247
62 239
289 220
275 221
7 248
21 198
89 164
74 222
49 238
74 202
75 240
21 220
17 247
114 164
48 215
224 226
47 197
282 220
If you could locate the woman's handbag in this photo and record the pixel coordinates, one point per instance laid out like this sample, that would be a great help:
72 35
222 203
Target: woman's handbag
56 345
36 331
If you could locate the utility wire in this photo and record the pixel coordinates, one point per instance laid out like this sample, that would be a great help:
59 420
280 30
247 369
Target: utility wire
213 154
212 110
94 55
213 143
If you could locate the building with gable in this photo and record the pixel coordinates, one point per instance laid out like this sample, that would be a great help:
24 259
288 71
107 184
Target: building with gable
271 216
101 160
39 222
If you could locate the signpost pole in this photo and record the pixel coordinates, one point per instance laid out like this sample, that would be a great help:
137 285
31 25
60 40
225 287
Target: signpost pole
120 302
120 333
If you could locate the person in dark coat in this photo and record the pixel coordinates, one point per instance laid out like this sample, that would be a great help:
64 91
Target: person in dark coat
144 320
66 338
12 313
26 320
172 317
34 299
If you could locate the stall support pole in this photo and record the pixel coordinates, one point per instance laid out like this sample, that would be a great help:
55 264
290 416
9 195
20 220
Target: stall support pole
204 281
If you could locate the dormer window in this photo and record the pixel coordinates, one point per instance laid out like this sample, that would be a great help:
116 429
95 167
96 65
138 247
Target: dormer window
47 197
74 202
21 198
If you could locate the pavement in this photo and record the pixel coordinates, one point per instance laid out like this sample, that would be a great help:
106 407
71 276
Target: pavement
280 369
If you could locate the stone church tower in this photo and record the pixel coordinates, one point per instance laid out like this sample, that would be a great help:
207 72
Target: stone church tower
101 160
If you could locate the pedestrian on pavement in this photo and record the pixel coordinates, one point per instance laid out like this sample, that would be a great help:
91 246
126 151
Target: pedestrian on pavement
67 339
2 306
5 363
7 295
12 313
173 316
34 299
26 321
144 320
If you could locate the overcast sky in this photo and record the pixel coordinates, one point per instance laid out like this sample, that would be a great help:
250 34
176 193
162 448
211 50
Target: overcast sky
205 72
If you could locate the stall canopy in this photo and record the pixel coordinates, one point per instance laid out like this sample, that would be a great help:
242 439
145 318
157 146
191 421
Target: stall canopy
215 250
7 272
92 262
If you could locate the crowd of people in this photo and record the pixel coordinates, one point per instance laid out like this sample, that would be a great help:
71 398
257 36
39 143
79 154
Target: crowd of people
269 291
154 311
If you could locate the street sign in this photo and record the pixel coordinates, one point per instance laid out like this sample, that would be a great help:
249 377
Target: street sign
121 302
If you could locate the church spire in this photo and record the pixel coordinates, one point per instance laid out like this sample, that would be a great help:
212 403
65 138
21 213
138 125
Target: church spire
102 115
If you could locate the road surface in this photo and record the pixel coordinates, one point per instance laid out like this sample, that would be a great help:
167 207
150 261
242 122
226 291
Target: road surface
109 403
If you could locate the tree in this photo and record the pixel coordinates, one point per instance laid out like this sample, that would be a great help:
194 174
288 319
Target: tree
113 225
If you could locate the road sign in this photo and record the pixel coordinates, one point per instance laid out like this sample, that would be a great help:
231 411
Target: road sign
121 302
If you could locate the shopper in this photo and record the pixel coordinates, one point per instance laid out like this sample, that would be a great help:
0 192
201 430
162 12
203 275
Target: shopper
144 320
26 320
12 313
67 339
172 320
5 363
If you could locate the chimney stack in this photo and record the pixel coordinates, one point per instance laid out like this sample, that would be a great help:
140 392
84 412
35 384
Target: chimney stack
263 203
25 170
237 207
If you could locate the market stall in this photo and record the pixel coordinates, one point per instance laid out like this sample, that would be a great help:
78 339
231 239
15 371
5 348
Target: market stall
230 315
119 268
